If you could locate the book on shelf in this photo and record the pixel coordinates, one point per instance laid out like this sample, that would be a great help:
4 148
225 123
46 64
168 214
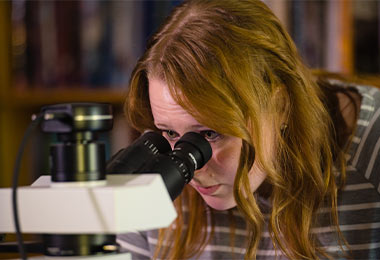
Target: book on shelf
33 43
127 39
366 26
19 43
308 30
338 49
48 43
68 45
155 13
95 53
281 8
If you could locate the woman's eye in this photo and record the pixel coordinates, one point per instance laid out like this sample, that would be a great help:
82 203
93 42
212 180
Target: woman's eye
170 134
210 135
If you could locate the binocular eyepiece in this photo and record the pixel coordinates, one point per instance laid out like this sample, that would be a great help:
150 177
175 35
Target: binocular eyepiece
151 153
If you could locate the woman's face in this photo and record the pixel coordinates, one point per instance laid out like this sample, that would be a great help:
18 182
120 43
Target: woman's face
215 180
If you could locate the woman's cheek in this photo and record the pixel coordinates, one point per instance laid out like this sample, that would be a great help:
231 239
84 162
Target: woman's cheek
226 157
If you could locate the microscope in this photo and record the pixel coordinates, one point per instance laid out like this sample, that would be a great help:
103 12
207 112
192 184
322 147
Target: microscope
85 201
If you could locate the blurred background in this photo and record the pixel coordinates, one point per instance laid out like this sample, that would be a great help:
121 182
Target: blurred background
68 51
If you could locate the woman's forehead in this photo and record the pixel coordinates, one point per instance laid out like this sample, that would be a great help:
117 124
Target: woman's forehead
159 91
165 109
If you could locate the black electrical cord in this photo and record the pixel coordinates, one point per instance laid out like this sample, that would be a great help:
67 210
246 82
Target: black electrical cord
36 119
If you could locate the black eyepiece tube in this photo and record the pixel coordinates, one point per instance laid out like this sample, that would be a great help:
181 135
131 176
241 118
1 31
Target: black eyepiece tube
195 145
135 156
191 152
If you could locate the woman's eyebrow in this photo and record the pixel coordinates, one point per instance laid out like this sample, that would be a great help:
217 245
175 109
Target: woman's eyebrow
162 125
198 126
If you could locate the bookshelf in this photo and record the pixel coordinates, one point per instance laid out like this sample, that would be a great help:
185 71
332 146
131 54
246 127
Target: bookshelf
40 96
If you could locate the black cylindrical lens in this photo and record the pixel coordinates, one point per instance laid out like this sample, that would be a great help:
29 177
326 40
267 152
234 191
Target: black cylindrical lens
67 245
78 161
195 147
177 167
74 117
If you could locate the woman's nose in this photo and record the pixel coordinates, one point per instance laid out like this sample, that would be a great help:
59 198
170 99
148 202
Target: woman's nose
201 170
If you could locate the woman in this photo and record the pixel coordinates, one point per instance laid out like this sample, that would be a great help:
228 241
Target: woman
279 175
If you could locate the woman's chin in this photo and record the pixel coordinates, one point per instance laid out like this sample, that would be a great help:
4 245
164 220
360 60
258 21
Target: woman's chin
219 203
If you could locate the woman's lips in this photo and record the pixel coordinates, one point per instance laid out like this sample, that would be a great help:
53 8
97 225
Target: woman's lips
208 190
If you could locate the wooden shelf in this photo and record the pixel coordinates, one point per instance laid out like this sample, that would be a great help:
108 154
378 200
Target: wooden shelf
43 96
